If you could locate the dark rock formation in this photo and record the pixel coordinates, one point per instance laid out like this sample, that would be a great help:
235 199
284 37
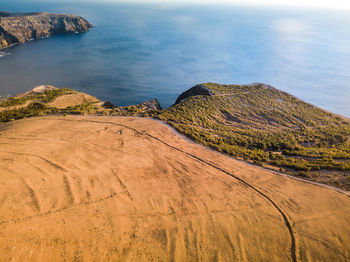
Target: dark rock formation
4 14
108 105
20 28
194 91
151 105
148 105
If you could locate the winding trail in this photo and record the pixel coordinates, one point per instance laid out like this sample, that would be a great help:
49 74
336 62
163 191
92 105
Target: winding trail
287 223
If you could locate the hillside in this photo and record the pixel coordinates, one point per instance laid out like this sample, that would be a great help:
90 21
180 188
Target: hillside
255 123
46 99
20 28
94 188
269 127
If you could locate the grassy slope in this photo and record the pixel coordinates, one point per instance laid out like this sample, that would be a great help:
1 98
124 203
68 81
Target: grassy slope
269 127
37 104
253 122
44 97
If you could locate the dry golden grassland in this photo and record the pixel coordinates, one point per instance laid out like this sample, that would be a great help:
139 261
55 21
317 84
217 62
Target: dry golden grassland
94 188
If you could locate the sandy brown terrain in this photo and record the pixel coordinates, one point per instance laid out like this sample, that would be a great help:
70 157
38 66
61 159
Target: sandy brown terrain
127 189
72 100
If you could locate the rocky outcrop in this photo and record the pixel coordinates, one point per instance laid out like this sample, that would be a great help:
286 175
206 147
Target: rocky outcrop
4 14
194 91
148 105
20 28
152 104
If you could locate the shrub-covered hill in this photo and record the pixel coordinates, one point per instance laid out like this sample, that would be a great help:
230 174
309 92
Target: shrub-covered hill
270 127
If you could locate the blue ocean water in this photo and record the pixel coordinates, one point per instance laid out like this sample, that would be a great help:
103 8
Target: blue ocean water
137 52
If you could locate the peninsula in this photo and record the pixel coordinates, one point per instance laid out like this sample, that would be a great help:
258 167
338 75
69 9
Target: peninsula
17 28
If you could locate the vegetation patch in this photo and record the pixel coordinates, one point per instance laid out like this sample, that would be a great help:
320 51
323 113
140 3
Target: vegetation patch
44 97
267 127
33 109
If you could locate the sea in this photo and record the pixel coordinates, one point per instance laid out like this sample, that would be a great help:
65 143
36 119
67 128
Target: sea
137 52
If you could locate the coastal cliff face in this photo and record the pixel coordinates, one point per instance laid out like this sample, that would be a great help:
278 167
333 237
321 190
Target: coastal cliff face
20 28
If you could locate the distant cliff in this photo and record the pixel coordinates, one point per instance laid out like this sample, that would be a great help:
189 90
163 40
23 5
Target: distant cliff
20 28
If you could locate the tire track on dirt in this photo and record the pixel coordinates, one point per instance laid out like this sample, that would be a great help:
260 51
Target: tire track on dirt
133 216
35 200
82 203
37 156
68 190
323 242
282 213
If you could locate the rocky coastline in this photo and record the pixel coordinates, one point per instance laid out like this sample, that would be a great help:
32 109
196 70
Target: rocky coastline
18 28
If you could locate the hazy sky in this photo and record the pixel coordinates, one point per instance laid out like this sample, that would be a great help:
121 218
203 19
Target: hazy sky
340 4
311 3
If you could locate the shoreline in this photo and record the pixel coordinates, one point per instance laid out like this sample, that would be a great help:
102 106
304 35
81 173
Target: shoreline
3 48
2 54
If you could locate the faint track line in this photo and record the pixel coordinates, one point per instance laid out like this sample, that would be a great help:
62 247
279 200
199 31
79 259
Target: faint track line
68 190
37 156
82 203
135 215
323 242
35 200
